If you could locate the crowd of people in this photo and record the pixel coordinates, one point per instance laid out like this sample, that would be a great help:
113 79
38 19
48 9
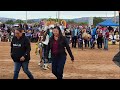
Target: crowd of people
7 32
84 36
50 42
88 37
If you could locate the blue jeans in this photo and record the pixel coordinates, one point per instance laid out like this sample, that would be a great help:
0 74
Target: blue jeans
80 44
44 48
58 66
92 45
105 43
68 39
24 65
92 40
49 57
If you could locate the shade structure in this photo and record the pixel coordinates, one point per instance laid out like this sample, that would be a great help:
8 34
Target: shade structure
108 23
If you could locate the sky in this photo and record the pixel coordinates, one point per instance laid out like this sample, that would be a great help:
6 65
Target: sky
52 14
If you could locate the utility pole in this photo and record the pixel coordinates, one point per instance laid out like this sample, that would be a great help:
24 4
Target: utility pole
58 16
106 15
26 17
115 16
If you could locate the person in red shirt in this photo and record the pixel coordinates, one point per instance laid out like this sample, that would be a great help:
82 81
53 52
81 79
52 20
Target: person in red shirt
57 45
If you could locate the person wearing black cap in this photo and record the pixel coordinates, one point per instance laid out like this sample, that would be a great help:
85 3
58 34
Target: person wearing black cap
20 53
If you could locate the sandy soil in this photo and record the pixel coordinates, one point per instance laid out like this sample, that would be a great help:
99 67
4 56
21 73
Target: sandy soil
89 64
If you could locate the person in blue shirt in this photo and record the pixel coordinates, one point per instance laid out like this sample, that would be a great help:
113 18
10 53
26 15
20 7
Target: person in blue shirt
50 32
93 31
92 40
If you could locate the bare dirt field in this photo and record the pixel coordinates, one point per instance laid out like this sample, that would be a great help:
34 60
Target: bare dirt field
89 64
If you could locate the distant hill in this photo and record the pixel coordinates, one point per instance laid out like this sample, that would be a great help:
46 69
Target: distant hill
83 19
3 19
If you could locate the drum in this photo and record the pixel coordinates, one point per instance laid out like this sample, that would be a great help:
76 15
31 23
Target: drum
89 36
86 36
83 30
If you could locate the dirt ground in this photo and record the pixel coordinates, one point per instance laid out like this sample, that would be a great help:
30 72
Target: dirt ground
89 64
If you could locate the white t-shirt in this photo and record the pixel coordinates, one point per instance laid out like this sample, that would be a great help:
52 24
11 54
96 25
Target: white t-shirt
116 37
12 34
62 29
40 45
45 28
46 40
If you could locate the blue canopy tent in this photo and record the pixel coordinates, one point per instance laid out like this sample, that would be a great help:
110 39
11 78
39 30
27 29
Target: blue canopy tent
108 23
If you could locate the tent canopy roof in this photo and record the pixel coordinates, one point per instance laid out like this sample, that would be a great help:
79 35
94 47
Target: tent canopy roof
108 23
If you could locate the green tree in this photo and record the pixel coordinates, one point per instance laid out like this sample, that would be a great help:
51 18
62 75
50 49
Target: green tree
30 21
83 23
51 19
19 21
36 24
9 22
71 22
97 20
